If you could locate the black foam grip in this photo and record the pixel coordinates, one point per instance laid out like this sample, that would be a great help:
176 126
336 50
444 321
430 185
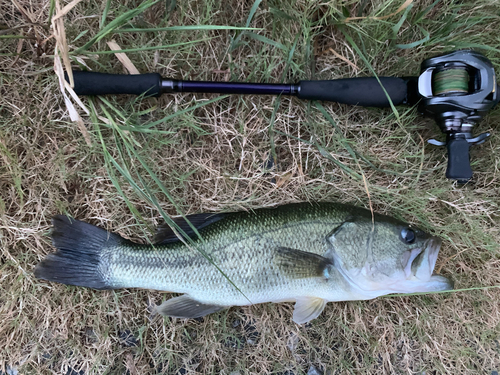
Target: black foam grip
458 160
90 83
365 92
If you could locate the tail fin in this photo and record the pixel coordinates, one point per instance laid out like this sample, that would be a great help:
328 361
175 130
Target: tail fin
79 257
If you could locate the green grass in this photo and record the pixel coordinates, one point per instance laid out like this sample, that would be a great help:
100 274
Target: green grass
189 153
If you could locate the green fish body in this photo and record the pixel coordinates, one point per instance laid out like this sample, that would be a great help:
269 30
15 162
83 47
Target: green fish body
307 253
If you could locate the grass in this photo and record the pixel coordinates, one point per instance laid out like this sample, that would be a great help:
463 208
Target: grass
150 159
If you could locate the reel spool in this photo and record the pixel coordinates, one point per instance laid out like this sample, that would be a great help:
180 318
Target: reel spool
457 90
450 81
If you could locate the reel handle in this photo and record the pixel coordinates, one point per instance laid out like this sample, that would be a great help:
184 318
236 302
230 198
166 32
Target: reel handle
458 160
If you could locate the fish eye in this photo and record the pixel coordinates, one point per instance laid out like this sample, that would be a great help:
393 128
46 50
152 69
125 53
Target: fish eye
408 235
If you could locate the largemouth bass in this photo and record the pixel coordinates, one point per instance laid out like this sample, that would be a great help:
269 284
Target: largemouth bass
307 253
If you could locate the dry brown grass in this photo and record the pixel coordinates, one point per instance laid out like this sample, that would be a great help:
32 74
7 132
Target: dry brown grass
216 158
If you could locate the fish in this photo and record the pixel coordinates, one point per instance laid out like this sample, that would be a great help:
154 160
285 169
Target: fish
307 253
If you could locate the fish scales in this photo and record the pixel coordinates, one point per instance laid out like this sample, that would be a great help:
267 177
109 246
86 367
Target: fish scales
242 248
307 253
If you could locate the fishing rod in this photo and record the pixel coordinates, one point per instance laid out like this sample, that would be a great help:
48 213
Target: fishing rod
456 89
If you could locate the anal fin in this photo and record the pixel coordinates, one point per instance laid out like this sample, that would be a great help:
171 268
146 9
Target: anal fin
186 307
307 309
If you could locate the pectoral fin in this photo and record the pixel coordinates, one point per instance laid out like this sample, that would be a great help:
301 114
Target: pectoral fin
301 264
186 307
307 309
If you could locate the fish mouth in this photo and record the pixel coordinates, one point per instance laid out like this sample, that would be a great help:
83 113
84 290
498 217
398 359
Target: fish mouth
420 268
433 250
420 263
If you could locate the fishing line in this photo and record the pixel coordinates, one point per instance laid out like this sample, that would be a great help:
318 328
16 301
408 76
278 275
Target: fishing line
450 81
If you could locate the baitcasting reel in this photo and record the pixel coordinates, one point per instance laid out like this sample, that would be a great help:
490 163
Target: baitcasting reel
458 90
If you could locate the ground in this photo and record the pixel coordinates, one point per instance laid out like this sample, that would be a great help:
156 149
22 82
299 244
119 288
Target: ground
130 163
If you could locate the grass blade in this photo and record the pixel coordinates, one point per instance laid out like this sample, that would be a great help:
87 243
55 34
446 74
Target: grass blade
444 291
182 28
117 22
105 13
235 42
181 112
356 48
326 155
263 39
140 49
426 38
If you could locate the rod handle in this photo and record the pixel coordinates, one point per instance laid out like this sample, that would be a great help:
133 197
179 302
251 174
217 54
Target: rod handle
365 92
92 83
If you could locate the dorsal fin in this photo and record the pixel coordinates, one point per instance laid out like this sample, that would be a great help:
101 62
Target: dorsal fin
302 264
165 234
